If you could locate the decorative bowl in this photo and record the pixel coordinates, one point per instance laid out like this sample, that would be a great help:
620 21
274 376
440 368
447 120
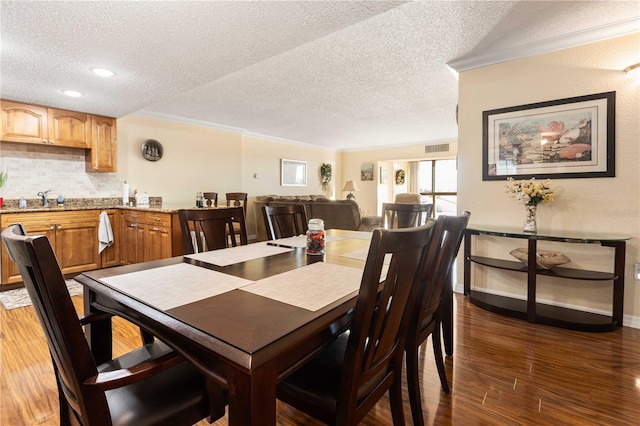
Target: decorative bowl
544 259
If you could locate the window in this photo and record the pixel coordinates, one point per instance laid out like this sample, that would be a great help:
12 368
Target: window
438 183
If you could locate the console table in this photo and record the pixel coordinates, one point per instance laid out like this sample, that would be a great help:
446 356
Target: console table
532 310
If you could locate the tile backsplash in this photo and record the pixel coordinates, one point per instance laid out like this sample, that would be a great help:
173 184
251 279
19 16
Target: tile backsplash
35 168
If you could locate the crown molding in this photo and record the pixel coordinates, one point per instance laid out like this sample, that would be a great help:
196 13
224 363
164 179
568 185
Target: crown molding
553 44
184 120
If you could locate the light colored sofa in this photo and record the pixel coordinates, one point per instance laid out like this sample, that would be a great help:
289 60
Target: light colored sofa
337 214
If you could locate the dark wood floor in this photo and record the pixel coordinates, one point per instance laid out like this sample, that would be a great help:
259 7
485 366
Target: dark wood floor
503 372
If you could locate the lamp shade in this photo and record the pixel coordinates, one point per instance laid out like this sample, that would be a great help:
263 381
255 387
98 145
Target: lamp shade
350 186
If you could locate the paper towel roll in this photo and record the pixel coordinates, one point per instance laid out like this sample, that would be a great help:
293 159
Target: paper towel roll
125 194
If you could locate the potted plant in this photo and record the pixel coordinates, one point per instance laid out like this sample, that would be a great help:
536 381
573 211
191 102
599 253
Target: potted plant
325 175
3 179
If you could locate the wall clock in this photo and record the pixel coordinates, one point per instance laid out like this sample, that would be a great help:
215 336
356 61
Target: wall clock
152 150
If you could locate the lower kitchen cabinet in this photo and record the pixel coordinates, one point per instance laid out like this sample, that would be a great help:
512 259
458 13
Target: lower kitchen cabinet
147 236
73 236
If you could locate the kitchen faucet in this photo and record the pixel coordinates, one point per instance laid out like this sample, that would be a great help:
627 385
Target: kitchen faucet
45 197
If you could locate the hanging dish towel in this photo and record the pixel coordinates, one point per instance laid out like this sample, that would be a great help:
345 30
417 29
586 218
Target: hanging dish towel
105 234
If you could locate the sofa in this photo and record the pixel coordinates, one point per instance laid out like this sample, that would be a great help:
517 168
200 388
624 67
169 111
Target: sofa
337 214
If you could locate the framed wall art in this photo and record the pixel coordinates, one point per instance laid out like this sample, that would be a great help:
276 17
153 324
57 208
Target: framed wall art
563 138
293 173
366 171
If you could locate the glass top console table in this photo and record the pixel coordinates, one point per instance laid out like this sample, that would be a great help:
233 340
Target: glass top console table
532 310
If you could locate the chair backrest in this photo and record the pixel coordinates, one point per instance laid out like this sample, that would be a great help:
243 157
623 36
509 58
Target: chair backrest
45 284
204 230
212 198
375 347
399 215
237 199
285 221
408 198
435 266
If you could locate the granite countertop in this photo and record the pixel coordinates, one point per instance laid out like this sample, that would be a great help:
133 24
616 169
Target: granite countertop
33 206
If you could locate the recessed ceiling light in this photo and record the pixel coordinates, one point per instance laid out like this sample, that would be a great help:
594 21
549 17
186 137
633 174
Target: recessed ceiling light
103 72
73 93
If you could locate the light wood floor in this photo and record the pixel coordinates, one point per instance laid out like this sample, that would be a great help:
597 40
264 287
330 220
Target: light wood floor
503 372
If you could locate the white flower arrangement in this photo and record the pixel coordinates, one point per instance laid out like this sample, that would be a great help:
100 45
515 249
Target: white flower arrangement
530 192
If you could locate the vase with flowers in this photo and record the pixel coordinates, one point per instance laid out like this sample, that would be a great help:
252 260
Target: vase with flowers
530 193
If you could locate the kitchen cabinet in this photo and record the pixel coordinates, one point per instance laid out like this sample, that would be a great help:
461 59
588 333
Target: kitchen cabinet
102 155
110 256
73 236
146 236
35 124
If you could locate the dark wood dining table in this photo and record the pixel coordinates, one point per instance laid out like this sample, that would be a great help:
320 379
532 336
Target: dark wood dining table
243 340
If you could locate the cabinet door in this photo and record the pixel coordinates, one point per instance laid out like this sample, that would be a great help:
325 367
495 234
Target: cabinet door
157 242
132 249
69 128
102 155
10 272
23 123
77 246
111 255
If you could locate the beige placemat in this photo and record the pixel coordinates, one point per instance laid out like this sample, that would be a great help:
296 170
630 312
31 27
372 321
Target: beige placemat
175 285
238 254
301 241
311 287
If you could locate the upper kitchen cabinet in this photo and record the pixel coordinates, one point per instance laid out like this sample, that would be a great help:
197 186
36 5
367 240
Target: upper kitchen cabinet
34 124
23 123
102 155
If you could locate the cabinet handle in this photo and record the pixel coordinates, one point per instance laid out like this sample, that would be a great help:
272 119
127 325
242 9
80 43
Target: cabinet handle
52 141
52 227
45 141
157 219
59 227
156 229
134 225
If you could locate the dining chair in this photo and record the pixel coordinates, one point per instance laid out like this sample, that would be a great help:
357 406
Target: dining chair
237 199
204 230
400 215
150 385
285 221
346 379
408 198
426 318
212 198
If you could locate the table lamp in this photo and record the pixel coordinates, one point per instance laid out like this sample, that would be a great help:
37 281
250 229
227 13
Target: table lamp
350 186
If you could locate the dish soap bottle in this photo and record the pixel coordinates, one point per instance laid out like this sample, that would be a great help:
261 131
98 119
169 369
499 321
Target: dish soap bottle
60 200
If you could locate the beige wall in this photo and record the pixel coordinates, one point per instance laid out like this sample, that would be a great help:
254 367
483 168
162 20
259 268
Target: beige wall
599 205
198 158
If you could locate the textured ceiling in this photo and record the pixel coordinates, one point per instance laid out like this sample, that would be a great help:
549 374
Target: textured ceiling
345 75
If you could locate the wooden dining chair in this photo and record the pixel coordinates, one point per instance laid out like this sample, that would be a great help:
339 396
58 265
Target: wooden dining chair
237 199
211 198
426 318
285 221
400 215
205 230
345 380
150 385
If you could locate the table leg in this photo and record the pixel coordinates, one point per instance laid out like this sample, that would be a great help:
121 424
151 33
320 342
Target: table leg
97 333
252 397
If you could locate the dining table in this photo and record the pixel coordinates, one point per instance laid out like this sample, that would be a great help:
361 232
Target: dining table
245 316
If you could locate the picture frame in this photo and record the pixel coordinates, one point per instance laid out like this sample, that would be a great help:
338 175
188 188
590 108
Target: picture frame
559 139
293 173
366 171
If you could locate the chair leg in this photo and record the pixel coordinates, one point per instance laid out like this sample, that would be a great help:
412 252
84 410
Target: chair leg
437 353
413 386
395 399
